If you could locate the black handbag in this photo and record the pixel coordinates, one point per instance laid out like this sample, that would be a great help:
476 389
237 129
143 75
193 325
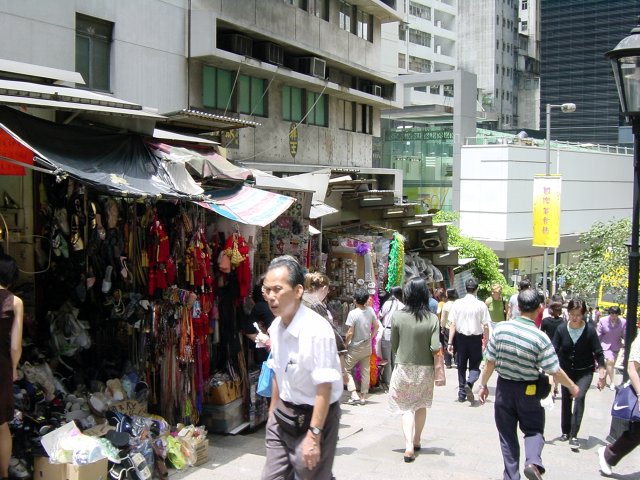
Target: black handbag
543 386
296 422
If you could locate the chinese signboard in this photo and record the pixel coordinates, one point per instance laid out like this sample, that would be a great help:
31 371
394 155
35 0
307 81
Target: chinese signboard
546 211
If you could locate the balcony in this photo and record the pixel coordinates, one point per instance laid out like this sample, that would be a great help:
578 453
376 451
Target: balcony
383 10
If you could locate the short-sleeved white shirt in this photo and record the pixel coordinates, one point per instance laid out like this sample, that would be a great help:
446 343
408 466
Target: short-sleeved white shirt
304 355
469 314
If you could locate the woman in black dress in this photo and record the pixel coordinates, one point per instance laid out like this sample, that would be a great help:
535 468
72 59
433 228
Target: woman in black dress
11 315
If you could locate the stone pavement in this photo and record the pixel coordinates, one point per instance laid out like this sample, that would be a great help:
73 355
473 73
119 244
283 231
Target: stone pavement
459 441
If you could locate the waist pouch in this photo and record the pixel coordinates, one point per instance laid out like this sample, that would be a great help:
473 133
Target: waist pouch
293 420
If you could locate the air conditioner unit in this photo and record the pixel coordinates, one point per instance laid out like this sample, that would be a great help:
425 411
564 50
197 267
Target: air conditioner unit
374 89
240 44
270 52
314 66
439 49
431 241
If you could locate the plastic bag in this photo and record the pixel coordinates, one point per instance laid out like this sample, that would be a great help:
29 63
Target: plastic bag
265 380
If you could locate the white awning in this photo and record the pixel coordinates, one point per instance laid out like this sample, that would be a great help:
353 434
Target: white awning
14 92
168 135
320 209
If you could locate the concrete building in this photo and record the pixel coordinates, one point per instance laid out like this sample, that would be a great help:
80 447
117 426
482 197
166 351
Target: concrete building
307 72
496 185
575 36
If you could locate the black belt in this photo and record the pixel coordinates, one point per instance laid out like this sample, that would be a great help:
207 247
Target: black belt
303 406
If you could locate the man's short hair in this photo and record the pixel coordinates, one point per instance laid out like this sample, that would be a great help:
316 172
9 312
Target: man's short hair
360 295
528 300
471 285
296 273
524 284
615 310
452 294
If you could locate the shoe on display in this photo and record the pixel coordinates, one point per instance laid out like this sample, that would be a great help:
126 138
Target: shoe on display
605 468
18 469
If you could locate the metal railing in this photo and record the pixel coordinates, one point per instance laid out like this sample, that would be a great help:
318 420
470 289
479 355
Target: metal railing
555 145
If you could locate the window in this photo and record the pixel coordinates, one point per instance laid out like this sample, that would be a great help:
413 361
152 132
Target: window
497 69
524 26
93 51
497 19
497 44
346 114
317 107
524 5
420 11
364 25
297 101
346 16
402 32
364 118
218 92
435 89
419 65
420 38
402 60
318 8
448 90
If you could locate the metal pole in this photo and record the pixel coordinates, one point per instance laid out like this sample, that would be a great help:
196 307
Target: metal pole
632 292
547 170
554 278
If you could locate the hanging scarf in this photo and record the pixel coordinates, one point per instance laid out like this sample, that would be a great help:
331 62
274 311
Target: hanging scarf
396 262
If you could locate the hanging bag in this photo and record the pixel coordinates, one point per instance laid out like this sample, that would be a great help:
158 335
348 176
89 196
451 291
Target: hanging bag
265 380
438 366
626 405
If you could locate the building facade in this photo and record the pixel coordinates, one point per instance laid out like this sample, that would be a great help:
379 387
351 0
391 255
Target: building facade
306 72
575 34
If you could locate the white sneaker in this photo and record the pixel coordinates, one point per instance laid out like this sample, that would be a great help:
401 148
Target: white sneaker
605 468
612 387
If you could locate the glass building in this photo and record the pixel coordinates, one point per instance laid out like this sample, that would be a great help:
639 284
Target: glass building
575 34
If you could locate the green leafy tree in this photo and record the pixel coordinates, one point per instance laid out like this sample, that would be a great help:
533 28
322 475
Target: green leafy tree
603 256
486 267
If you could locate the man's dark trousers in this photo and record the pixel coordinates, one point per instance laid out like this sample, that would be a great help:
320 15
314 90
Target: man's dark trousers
514 407
469 350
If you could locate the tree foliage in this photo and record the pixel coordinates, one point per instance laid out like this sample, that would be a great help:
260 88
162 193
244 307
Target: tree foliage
486 267
604 256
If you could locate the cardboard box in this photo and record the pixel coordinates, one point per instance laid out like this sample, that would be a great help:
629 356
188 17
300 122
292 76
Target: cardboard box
43 470
91 471
224 393
223 418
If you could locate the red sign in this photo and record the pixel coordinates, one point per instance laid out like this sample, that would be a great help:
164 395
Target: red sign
14 150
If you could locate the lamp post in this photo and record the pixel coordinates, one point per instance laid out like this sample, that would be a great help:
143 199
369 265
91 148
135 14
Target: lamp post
625 62
564 108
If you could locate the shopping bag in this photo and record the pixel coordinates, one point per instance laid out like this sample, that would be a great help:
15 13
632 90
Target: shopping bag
625 406
438 365
265 379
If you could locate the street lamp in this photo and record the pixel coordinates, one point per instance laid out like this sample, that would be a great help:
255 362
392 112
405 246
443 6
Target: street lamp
625 62
564 108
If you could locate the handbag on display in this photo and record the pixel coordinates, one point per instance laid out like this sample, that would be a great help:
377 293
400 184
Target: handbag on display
265 379
626 405
438 366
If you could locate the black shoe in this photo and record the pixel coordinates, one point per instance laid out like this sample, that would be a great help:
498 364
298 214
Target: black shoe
574 444
469 393
409 458
462 399
532 472
564 437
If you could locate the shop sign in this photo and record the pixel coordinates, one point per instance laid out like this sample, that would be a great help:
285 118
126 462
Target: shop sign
546 211
293 140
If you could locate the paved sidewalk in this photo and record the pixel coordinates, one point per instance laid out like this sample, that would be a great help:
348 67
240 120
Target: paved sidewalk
460 441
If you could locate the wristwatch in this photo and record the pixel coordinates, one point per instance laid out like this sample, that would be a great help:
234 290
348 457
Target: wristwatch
315 430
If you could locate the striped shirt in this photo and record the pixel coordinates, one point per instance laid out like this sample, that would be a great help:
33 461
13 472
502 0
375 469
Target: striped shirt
519 349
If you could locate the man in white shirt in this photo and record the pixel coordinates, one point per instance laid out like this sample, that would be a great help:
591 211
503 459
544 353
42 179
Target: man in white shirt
304 414
512 309
469 321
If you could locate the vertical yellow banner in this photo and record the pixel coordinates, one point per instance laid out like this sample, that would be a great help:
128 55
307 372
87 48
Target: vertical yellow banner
546 211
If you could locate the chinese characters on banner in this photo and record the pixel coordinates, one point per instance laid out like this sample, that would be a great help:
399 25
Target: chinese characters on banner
546 211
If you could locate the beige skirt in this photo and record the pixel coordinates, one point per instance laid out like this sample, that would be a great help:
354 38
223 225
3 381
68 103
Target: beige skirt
411 388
